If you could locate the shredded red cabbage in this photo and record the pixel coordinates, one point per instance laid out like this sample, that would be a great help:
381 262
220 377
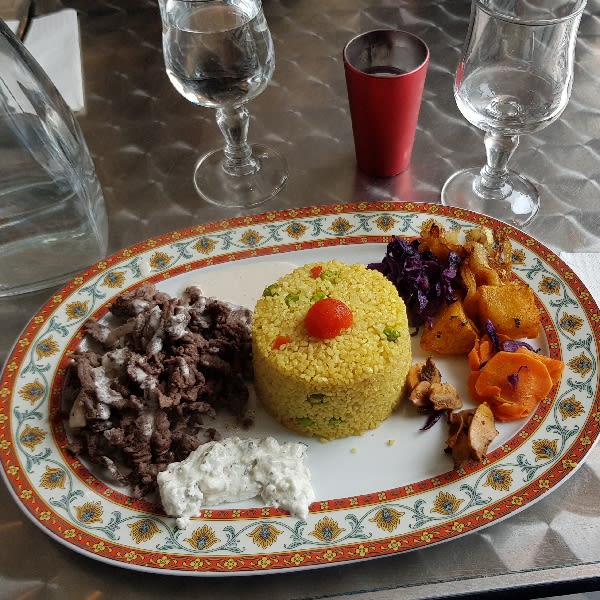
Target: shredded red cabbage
422 280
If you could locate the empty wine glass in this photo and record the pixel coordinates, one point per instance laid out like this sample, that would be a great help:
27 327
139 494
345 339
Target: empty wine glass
219 54
514 77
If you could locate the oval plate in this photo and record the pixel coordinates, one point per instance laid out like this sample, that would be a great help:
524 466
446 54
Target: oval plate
389 491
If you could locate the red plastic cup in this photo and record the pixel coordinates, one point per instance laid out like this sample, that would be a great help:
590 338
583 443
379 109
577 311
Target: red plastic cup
385 75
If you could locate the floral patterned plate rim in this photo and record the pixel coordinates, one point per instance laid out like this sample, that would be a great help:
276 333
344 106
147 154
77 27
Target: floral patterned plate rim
374 499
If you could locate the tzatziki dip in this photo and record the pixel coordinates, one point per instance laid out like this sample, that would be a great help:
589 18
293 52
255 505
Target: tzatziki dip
236 469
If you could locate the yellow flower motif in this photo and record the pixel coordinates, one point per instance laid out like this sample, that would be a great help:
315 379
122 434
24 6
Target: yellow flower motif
427 537
99 547
341 226
46 347
236 513
570 323
544 449
581 364
297 559
197 563
151 243
57 299
12 470
102 265
518 257
394 545
203 538
26 495
32 436
382 496
499 479
488 514
76 310
114 279
24 342
53 478
204 245
387 518
408 489
549 285
523 434
362 551
265 535
264 562
544 483
4 392
163 561
456 526
324 505
33 391
569 464
45 516
385 222
143 530
570 407
329 555
353 501
39 319
160 261
251 238
89 512
130 556
230 564
585 440
127 253
265 512
327 530
446 503
208 514
295 230
69 533
517 500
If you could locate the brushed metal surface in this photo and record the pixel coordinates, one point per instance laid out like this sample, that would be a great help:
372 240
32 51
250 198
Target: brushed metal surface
145 139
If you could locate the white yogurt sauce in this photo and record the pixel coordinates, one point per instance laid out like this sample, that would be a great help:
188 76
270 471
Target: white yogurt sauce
236 469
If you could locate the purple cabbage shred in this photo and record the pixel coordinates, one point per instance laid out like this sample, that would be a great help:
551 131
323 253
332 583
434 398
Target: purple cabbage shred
422 280
506 345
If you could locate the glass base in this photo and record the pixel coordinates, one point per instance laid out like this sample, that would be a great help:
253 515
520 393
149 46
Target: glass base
222 189
516 203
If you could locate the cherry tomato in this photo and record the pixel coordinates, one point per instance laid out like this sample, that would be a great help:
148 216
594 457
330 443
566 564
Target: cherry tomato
327 317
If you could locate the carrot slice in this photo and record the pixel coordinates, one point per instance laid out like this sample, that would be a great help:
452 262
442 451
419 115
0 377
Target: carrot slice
555 367
512 383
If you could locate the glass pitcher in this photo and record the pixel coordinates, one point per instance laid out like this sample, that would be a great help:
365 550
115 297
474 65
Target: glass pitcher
53 220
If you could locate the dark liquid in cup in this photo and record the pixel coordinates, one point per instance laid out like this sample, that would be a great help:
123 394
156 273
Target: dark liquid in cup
384 71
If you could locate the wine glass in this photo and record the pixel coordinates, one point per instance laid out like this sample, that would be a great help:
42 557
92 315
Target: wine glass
514 77
219 54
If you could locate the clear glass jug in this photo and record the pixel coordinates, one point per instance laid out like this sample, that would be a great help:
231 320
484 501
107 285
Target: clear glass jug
53 220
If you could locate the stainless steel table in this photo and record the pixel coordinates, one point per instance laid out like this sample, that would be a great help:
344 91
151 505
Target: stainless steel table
145 139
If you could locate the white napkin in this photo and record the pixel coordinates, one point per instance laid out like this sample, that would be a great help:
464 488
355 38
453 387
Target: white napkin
54 42
586 266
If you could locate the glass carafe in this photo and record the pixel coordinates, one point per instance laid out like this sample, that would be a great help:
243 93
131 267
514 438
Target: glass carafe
53 220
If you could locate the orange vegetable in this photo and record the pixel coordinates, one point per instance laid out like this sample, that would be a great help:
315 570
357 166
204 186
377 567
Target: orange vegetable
279 341
512 383
327 317
316 271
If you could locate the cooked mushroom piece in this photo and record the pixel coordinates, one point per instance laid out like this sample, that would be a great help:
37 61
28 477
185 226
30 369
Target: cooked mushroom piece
470 432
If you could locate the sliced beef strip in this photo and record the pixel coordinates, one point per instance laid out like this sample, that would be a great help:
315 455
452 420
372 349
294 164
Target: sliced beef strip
166 366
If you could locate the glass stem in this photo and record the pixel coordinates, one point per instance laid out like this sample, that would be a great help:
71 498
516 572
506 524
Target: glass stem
233 123
493 181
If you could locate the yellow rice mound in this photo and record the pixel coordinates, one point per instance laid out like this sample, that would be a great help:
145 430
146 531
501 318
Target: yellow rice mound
341 386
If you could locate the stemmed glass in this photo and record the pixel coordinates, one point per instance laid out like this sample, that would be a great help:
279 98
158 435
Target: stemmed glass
514 77
219 54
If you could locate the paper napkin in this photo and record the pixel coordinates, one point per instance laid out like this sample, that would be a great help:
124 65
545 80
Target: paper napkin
586 266
54 42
